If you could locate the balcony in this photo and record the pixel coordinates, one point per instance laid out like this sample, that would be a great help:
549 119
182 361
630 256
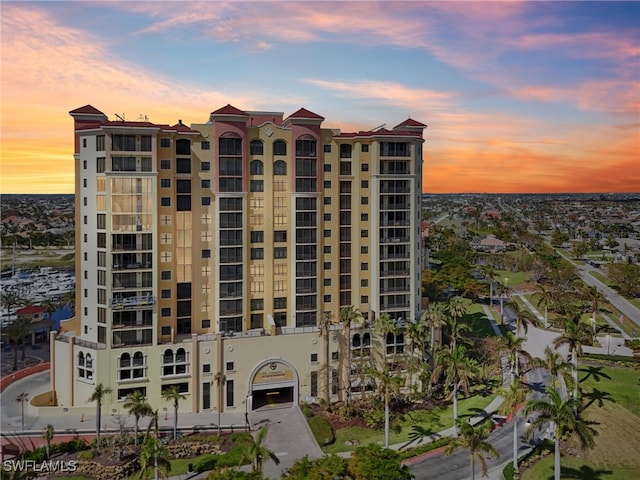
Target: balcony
120 303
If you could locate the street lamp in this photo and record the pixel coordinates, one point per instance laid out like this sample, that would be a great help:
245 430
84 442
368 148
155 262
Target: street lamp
23 397
608 342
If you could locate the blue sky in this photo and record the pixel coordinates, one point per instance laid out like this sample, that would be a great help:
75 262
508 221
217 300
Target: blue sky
518 96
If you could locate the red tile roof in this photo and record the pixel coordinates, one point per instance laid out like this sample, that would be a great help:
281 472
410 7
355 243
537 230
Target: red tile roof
410 122
126 123
87 109
304 113
382 132
30 310
228 110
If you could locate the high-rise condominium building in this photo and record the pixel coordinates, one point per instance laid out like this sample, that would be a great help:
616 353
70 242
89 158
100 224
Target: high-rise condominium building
208 255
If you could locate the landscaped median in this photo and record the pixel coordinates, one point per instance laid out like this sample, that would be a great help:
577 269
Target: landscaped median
407 429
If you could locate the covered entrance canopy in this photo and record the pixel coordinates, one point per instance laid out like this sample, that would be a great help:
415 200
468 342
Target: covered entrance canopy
274 382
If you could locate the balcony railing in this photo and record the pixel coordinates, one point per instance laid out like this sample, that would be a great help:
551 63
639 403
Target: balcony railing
119 303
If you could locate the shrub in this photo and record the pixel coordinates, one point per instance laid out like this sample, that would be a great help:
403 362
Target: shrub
207 463
322 431
307 411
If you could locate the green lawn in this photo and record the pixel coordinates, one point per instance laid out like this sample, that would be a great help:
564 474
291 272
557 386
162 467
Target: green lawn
612 402
512 279
431 421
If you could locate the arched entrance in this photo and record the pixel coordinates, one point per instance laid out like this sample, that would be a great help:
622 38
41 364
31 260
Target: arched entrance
273 382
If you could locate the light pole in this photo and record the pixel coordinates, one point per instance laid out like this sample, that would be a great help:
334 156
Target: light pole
23 397
608 342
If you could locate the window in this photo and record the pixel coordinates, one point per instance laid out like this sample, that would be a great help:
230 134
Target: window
165 275
364 167
327 234
364 282
206 323
84 143
205 183
327 298
364 233
165 143
364 249
280 236
327 249
165 183
84 164
206 201
364 200
205 145
256 167
206 368
166 311
257 236
183 203
364 148
364 184
165 164
364 299
364 217
279 147
165 201
280 168
206 253
327 282
205 166
327 265
256 185
229 393
280 252
280 303
183 165
166 293
175 364
256 147
257 304
327 184
314 358
327 217
257 253
345 151
229 367
85 366
327 148
100 143
364 266
327 200
394 149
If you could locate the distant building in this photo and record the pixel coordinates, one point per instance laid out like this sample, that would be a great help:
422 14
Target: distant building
215 249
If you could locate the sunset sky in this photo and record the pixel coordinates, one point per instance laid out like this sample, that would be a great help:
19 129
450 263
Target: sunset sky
518 96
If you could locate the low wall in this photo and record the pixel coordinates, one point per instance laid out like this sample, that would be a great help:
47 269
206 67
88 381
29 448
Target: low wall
20 374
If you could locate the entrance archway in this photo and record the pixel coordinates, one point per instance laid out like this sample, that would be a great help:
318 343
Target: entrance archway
273 382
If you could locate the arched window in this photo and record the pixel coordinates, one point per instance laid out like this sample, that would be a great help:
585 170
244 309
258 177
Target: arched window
167 357
355 342
366 339
256 147
181 356
80 359
279 147
280 168
125 360
85 366
256 167
89 362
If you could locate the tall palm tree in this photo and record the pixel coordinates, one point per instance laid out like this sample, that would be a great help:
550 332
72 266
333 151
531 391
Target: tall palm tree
595 298
10 300
221 380
383 325
49 305
154 456
416 334
348 315
455 310
523 317
99 393
545 297
69 299
172 394
387 383
47 434
16 333
576 334
514 346
564 419
473 439
136 404
436 317
458 369
514 397
489 274
255 450
553 362
324 322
